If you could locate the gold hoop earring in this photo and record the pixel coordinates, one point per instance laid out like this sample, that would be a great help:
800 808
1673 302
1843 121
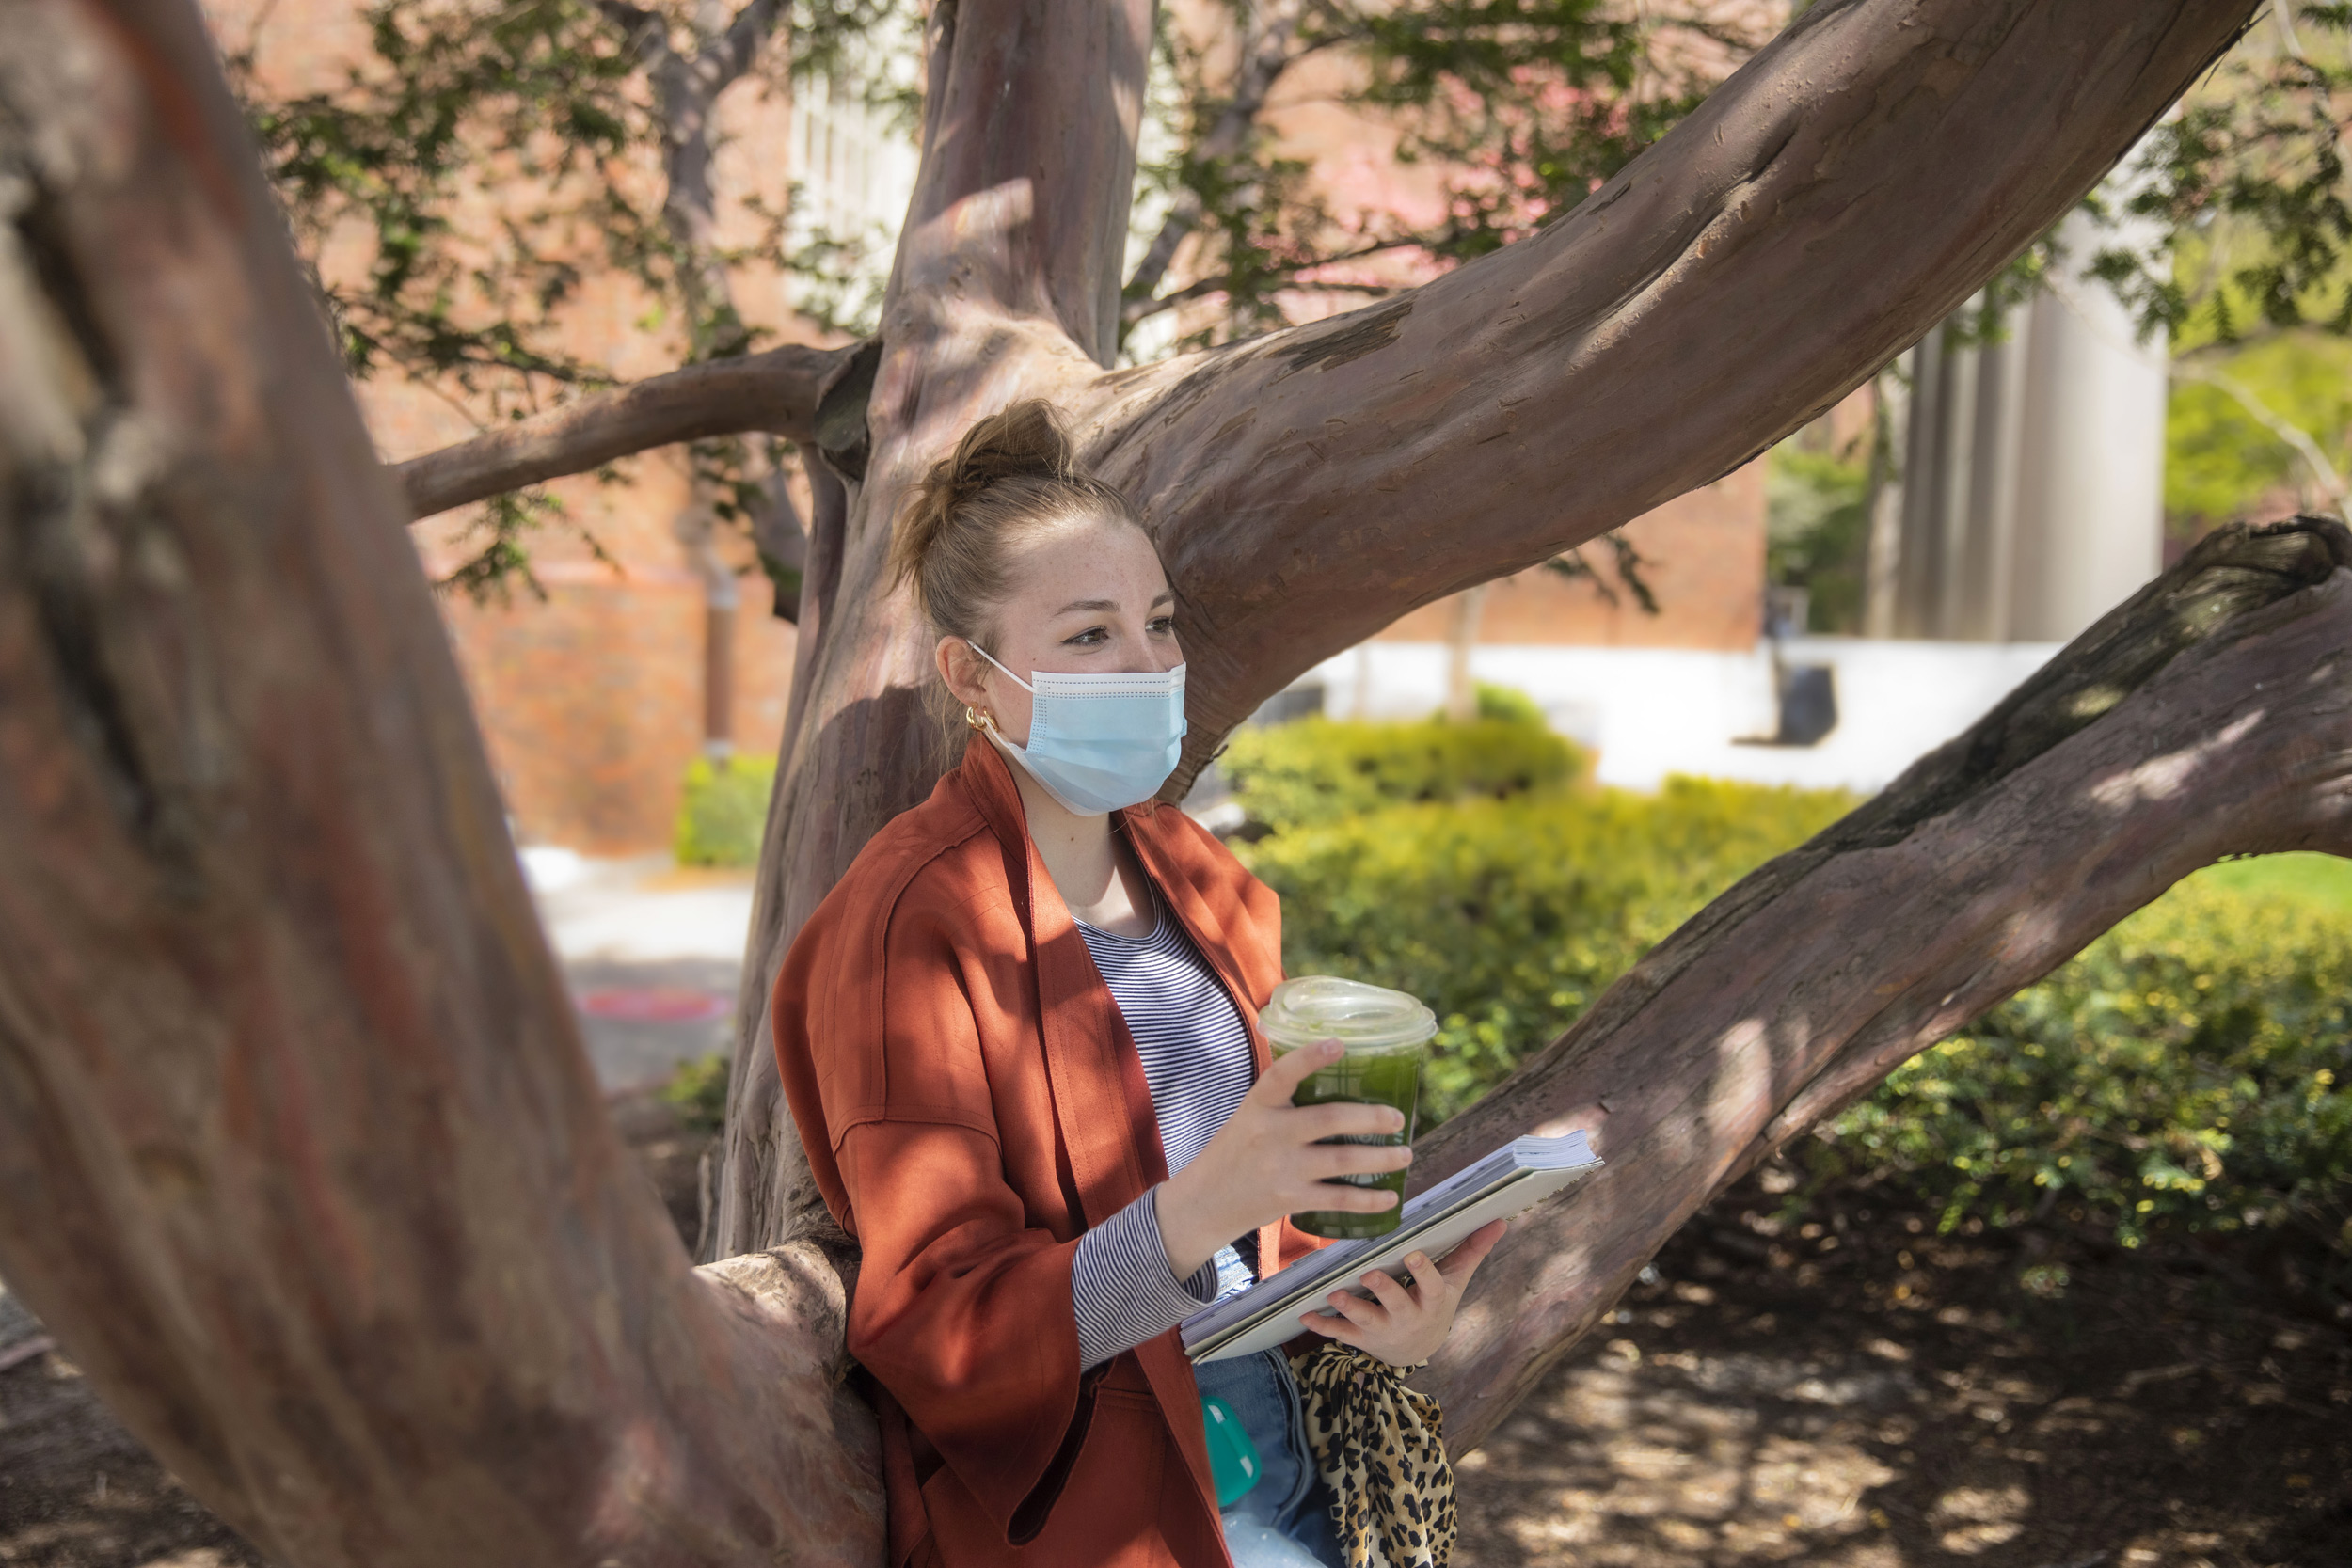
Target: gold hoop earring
977 719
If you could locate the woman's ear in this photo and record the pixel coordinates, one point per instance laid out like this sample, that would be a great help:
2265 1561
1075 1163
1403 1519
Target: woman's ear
961 670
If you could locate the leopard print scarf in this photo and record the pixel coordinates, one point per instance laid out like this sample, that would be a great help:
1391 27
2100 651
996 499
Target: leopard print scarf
1381 1447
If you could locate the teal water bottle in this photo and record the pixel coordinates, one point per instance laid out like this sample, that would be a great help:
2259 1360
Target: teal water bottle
1233 1457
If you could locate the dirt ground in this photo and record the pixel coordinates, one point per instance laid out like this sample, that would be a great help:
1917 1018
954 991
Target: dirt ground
1851 1391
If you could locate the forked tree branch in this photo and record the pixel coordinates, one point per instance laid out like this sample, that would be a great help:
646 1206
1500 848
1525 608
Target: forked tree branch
774 390
1862 173
305 1163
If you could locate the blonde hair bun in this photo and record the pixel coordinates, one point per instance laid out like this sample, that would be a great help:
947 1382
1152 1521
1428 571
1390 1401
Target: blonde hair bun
1015 474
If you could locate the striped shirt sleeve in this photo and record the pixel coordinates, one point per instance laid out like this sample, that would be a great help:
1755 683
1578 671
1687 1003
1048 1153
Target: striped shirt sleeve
1123 1288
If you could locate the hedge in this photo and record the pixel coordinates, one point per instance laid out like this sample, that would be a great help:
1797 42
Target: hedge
2191 1071
724 812
1509 916
1321 769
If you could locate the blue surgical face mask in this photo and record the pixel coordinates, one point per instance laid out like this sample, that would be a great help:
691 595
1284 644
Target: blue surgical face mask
1098 742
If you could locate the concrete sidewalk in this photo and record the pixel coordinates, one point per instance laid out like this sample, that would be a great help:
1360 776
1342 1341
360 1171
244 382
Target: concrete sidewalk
653 953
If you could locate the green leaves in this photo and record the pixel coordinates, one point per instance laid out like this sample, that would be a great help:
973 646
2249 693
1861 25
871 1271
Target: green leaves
1510 112
456 99
2191 1071
724 812
2185 1074
1321 770
1508 915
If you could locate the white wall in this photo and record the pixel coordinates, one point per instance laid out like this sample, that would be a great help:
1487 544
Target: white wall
1649 712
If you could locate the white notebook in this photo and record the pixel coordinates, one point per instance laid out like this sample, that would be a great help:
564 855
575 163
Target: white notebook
1514 1178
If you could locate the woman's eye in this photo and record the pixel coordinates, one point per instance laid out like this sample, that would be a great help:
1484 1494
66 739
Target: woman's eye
1163 626
1088 638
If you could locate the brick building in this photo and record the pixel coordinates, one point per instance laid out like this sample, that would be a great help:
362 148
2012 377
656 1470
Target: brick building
589 690
591 698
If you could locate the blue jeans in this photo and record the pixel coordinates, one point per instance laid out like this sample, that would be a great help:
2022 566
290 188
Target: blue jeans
1290 1496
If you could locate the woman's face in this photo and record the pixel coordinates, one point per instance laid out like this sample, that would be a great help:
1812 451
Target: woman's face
1082 599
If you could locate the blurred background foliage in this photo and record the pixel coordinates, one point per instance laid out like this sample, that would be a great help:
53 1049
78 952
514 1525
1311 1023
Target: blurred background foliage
723 812
2190 1072
1500 115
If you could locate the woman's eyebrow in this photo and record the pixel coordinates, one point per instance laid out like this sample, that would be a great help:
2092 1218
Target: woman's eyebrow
1166 596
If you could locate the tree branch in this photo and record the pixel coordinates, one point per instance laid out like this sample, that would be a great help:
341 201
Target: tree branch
1863 173
1028 171
732 52
644 32
1265 55
774 391
2210 715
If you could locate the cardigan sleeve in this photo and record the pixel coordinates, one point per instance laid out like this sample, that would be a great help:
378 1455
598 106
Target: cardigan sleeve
963 1309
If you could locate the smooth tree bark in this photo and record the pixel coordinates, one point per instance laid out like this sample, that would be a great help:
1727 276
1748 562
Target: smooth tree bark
299 1153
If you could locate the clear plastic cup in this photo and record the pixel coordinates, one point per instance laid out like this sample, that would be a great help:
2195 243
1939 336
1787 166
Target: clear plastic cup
1385 1034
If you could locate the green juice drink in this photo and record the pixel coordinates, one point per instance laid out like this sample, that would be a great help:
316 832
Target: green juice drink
1385 1034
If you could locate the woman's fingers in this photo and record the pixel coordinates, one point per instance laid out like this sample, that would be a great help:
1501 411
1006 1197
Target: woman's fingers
1430 1286
1463 1260
1362 1311
1279 1082
1345 1118
1326 1161
1389 1293
1332 1327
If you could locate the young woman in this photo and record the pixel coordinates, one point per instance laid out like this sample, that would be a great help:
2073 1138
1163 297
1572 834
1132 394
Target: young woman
1020 1040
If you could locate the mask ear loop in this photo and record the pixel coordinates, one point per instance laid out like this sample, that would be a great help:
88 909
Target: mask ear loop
979 719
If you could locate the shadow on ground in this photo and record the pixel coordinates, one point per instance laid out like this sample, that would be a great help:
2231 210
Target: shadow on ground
1851 1391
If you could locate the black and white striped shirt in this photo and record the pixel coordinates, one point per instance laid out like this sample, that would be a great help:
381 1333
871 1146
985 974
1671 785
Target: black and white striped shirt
1197 1060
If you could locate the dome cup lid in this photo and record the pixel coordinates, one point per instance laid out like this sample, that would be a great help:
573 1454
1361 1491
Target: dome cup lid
1363 1019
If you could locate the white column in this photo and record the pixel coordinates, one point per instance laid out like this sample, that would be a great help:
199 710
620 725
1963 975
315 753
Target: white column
2090 525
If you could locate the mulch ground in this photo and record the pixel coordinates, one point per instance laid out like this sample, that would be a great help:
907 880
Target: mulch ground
1854 1390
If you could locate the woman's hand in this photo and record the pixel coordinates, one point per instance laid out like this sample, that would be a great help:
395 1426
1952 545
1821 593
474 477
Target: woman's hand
1402 1325
1267 1161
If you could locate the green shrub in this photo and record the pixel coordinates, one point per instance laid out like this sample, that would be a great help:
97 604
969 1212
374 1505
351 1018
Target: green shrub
2191 1071
1509 916
1508 703
1817 531
724 812
698 1091
1320 770
2323 882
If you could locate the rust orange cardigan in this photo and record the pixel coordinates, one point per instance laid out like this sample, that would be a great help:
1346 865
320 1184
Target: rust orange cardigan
971 1103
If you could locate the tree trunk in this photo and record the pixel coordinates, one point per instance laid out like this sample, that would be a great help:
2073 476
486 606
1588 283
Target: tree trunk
299 1150
300 1156
1005 286
1461 685
1865 172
